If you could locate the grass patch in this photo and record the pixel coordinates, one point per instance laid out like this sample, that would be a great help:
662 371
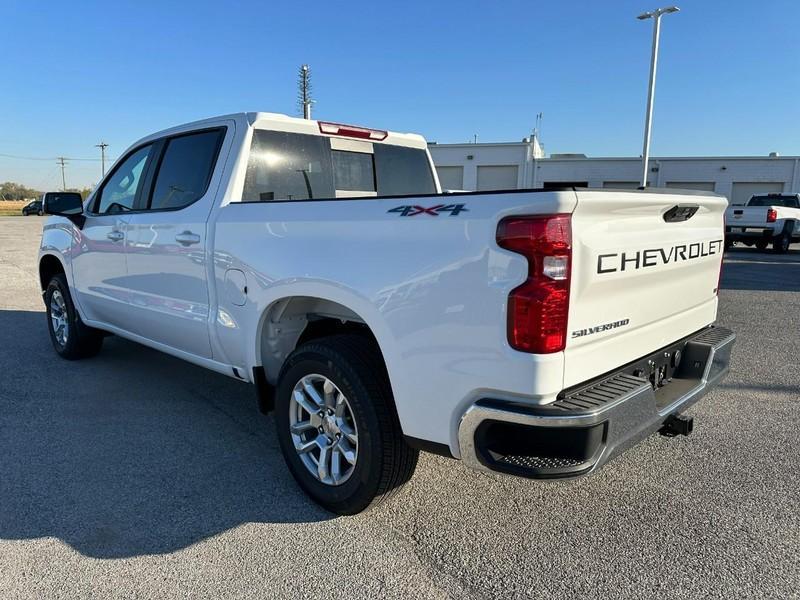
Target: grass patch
11 208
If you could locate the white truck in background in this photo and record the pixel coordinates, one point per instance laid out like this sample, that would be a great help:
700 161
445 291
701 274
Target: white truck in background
531 332
765 219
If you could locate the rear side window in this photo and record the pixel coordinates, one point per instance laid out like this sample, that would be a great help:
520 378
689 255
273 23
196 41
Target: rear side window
185 170
119 192
402 171
288 166
353 171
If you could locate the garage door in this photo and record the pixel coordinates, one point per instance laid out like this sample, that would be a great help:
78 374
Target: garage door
558 185
742 191
705 186
622 185
497 178
451 178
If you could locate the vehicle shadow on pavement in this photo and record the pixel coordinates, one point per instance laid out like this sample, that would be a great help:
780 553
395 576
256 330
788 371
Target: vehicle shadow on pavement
132 452
749 269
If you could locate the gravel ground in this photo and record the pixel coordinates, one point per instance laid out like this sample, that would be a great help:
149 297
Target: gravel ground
136 475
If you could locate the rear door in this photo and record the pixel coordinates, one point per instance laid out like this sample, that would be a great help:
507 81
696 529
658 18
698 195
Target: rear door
166 247
645 273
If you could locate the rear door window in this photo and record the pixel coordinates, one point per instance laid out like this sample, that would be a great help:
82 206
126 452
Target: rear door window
288 166
185 170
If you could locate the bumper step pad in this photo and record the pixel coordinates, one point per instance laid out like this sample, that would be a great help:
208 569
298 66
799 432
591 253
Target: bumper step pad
593 422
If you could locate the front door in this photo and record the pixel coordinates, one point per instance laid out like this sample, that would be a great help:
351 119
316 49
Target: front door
166 244
98 254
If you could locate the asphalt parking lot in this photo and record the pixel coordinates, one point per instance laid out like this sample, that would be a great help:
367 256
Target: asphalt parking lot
134 474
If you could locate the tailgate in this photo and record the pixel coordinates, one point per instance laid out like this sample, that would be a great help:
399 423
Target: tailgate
740 216
643 275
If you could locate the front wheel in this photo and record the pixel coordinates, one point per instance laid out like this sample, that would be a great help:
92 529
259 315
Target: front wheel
71 338
337 425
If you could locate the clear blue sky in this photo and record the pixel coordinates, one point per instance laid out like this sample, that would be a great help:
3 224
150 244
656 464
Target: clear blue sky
75 73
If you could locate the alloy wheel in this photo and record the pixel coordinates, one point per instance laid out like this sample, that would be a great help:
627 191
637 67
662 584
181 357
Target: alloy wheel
323 429
59 318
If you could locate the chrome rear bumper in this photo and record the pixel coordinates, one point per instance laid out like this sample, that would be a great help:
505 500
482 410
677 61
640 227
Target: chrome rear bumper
590 424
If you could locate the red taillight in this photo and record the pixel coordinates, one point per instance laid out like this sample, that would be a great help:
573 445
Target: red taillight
538 309
352 131
772 215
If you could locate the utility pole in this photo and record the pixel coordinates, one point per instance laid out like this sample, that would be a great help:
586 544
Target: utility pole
102 146
304 91
62 163
651 90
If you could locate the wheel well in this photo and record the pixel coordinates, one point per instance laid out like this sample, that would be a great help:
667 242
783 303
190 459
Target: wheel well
48 267
294 321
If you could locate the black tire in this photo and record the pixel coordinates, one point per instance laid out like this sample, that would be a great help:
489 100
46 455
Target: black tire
762 245
81 341
780 244
728 244
384 462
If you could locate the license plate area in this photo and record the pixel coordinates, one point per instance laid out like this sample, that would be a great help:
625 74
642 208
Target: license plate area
660 368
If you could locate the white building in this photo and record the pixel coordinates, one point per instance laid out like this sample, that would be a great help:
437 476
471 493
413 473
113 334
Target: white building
519 165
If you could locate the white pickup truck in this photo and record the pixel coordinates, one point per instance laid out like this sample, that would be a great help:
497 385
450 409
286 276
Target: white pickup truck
537 333
765 219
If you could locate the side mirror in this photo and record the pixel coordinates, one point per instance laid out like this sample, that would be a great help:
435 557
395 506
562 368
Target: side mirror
64 204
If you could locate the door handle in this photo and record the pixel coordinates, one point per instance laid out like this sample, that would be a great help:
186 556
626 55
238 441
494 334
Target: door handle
115 236
187 238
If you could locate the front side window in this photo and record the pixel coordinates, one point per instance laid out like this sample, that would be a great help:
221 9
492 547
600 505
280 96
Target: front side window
288 166
119 192
185 169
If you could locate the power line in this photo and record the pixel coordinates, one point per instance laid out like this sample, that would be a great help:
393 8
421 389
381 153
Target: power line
49 158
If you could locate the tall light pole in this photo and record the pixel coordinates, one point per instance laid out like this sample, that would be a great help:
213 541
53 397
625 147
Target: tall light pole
651 90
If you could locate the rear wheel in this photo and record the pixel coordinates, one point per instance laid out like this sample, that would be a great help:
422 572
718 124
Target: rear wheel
762 245
780 245
337 425
71 338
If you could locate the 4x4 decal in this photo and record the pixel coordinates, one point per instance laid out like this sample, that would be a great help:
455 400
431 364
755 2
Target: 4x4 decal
433 211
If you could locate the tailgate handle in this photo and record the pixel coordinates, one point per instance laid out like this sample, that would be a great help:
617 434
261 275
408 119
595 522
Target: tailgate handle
680 213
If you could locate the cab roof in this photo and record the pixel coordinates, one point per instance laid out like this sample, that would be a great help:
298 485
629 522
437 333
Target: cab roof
281 122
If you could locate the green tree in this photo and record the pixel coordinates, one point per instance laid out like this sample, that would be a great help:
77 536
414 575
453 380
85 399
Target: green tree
16 191
84 192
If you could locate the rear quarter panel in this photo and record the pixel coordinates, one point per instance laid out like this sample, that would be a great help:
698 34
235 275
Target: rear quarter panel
433 289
